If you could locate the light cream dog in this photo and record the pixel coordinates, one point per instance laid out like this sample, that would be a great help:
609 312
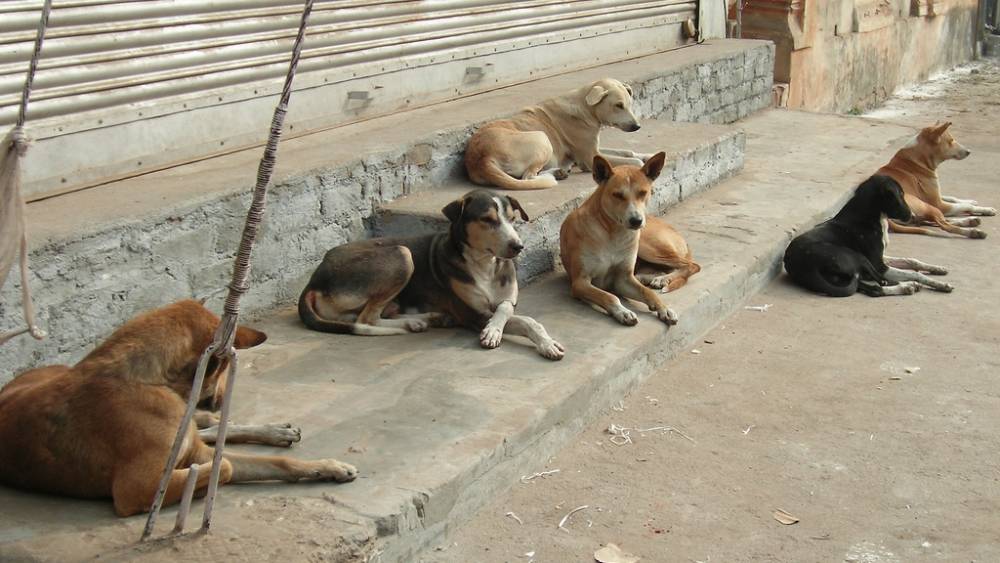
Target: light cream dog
540 144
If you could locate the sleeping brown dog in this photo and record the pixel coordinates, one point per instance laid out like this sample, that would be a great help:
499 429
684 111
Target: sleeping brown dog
104 427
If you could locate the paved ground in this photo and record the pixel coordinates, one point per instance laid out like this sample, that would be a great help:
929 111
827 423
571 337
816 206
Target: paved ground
809 408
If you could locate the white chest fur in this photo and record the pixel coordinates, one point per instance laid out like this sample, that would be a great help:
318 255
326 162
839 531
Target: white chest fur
493 282
885 233
604 262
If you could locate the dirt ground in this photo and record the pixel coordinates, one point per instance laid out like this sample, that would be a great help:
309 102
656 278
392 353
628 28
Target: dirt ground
871 421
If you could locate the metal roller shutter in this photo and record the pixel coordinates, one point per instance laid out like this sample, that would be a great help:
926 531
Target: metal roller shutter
125 87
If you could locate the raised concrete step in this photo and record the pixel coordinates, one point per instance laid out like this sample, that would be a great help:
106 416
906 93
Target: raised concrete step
698 156
102 255
437 425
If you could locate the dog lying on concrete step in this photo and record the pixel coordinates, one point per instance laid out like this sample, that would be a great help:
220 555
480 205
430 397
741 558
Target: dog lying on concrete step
914 167
104 427
847 253
599 241
465 275
664 259
540 144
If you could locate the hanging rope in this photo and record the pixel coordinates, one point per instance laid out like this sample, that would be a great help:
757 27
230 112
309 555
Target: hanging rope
222 345
13 237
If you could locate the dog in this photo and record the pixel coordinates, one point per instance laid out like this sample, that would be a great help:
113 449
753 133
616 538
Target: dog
103 427
599 241
914 167
846 254
664 258
540 144
465 276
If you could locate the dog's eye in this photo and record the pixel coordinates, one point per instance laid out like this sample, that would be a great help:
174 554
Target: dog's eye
490 221
620 105
619 195
642 195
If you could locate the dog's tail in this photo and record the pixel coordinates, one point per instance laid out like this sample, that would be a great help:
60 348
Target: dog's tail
491 174
307 312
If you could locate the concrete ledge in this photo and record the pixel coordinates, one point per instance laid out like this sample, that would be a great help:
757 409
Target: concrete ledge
437 425
698 156
102 255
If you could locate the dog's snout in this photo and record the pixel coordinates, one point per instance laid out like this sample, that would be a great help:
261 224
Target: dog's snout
965 153
516 248
635 222
633 127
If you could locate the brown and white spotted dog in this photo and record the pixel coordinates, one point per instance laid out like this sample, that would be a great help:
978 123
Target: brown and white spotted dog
464 276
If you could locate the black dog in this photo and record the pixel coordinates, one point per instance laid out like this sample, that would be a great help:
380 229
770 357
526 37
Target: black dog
847 253
464 276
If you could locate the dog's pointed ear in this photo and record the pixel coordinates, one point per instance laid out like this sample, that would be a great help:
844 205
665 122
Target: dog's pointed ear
628 89
247 337
516 206
602 169
940 129
654 165
596 94
453 211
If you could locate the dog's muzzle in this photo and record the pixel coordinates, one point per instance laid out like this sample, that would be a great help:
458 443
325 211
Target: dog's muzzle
633 127
515 248
635 222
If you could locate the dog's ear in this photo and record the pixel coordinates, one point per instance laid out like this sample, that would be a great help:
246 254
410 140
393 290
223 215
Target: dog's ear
602 169
628 89
654 165
516 206
453 211
596 94
248 338
940 129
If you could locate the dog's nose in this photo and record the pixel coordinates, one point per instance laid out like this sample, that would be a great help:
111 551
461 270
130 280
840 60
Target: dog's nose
634 127
516 248
635 222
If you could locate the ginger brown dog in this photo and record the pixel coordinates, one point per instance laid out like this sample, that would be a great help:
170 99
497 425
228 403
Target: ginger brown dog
104 427
599 241
540 144
914 167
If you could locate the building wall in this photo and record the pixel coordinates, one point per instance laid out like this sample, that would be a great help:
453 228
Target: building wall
843 55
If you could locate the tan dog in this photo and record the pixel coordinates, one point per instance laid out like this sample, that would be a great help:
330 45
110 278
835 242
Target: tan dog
599 241
914 167
540 144
104 427
664 257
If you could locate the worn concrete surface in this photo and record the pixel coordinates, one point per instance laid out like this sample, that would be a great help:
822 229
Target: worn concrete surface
698 156
807 408
101 256
438 426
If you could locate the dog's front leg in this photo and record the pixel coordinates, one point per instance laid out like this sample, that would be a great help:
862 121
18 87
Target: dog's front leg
914 264
897 275
533 330
626 154
951 199
278 468
492 333
281 435
631 288
953 209
584 290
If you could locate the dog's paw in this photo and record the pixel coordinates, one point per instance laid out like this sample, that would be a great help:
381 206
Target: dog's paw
908 287
625 317
988 211
943 287
416 325
660 282
333 470
283 435
551 350
561 174
977 233
668 316
490 337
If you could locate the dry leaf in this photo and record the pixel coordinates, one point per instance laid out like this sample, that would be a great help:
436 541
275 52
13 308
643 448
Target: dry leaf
784 517
611 553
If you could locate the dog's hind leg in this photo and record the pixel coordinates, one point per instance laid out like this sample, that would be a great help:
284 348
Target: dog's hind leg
915 265
533 330
952 209
135 483
874 289
959 222
897 275
951 199
281 435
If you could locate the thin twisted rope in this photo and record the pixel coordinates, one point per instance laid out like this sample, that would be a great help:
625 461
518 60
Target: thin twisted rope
225 335
19 148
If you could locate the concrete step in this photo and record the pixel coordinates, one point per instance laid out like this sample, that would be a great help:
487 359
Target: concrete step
437 425
698 156
102 255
